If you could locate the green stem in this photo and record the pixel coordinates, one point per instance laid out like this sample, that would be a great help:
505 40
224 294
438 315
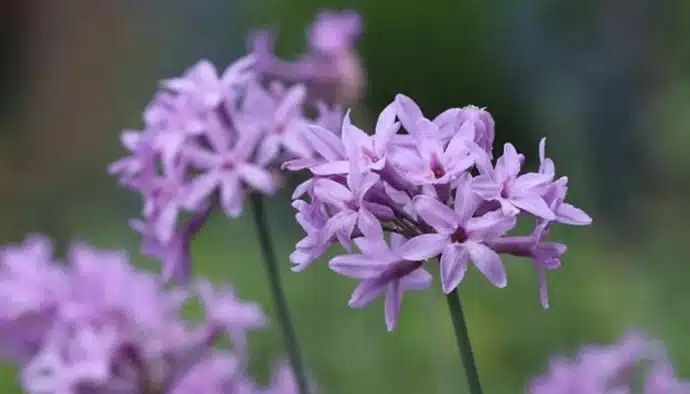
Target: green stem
463 341
279 299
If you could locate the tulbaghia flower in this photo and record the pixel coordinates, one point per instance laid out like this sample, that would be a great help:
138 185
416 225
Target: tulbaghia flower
433 184
211 137
379 268
330 67
461 237
95 324
612 369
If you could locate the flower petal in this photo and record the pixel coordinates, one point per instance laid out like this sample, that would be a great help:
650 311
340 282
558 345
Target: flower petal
569 214
418 279
422 247
534 205
368 224
200 189
331 168
530 182
366 292
392 305
488 263
359 266
332 192
437 215
453 266
258 178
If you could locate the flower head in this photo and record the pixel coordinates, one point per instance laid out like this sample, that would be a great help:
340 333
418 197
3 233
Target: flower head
434 186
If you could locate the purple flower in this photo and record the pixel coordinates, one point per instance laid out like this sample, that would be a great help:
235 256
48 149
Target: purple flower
227 169
202 82
611 370
353 210
419 186
434 162
545 255
281 120
368 151
72 326
461 237
382 267
554 195
331 67
313 218
513 191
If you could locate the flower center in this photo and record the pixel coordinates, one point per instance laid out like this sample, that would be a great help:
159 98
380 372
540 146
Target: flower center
459 236
370 154
436 167
505 190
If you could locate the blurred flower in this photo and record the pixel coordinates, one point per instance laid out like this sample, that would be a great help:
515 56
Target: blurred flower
418 182
211 137
612 370
73 326
331 67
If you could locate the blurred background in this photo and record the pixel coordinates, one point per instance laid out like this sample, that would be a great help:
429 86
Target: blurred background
608 82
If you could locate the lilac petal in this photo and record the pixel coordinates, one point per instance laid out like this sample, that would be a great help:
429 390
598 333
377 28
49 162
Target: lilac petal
569 214
353 137
291 102
367 181
342 225
392 305
268 150
437 215
372 246
368 224
422 247
359 266
397 240
324 142
408 112
386 119
486 187
247 142
294 143
543 290
418 279
258 178
299 164
231 196
530 181
302 188
199 157
457 146
331 168
366 292
508 166
200 189
453 266
466 200
332 192
534 205
488 263
490 225
165 222
380 211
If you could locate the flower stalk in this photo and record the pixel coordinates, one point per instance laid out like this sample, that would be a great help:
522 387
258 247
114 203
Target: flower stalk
273 275
463 341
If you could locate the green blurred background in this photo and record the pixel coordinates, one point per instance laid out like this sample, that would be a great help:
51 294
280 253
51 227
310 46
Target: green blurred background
608 82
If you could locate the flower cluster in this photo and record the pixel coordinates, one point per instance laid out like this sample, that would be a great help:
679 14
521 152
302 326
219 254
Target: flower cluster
331 66
431 184
211 137
616 369
73 327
